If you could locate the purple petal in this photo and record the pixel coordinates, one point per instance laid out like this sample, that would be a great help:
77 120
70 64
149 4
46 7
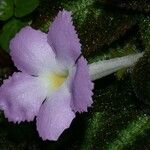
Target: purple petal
82 87
55 115
21 97
63 39
30 51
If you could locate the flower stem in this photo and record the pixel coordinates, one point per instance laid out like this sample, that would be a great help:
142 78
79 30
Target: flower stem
105 67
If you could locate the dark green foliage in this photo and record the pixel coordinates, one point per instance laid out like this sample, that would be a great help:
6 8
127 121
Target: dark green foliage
24 7
6 9
14 9
139 5
141 78
103 25
8 32
144 25
115 121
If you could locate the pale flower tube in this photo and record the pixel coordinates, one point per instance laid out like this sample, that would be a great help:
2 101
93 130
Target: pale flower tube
103 68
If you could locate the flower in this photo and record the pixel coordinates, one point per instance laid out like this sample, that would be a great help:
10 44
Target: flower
53 83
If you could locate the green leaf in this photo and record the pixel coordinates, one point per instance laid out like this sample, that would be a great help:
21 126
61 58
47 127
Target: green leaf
8 32
114 121
23 7
144 26
128 135
139 5
141 78
96 25
6 9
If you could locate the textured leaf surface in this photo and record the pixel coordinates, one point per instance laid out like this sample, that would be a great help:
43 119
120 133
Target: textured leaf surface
24 7
8 31
138 5
6 9
96 26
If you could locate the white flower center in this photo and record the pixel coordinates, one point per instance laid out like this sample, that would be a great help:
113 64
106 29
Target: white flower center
52 81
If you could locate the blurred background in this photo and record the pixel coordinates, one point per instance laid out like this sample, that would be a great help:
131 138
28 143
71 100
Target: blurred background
119 118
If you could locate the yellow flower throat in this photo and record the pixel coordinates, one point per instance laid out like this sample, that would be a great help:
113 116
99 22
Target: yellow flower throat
56 80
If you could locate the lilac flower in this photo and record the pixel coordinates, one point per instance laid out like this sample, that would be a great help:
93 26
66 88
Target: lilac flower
53 83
